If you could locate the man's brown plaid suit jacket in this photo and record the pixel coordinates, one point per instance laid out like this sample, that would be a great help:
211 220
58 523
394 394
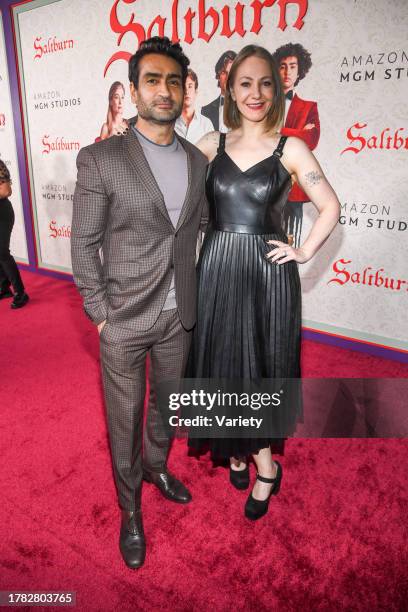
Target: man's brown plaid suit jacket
118 206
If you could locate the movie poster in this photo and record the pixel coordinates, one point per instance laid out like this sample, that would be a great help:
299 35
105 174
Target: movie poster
8 153
345 98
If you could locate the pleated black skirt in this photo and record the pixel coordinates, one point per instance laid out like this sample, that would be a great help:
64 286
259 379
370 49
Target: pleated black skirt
248 323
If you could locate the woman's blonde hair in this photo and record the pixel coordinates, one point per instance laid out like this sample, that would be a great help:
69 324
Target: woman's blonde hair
274 118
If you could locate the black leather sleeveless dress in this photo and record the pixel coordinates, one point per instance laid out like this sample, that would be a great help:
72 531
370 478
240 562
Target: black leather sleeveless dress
249 309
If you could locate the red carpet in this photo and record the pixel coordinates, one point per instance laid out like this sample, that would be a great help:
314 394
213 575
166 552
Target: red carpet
334 539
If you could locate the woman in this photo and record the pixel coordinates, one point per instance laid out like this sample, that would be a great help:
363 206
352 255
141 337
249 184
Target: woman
9 273
115 123
248 323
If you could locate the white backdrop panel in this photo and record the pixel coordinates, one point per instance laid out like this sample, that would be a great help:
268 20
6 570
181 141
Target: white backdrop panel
8 154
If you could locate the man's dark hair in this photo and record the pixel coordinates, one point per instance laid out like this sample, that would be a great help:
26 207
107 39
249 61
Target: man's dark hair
298 51
193 77
227 56
161 46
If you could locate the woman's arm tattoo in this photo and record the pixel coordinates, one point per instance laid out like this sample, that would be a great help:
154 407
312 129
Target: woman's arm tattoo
312 178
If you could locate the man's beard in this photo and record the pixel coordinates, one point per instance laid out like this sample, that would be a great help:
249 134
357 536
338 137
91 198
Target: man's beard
151 114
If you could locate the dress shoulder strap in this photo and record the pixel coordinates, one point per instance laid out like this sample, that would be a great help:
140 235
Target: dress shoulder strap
221 143
279 149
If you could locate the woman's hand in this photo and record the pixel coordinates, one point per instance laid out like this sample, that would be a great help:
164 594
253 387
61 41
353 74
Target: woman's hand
208 144
284 252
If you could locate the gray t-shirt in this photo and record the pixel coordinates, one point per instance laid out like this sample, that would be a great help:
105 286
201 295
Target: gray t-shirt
168 164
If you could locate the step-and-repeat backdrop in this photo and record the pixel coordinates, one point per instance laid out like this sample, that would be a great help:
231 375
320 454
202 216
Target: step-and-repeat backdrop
349 104
8 154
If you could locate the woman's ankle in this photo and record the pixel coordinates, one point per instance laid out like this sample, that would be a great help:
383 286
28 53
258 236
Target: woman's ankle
237 464
268 471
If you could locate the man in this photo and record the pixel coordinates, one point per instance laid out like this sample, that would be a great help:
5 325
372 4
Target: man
140 197
215 109
301 120
192 125
9 273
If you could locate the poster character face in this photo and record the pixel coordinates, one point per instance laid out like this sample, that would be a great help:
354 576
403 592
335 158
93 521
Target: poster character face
5 189
289 72
223 76
252 89
159 94
116 101
190 94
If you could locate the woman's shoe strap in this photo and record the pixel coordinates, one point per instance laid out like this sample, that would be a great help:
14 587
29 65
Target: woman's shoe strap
267 480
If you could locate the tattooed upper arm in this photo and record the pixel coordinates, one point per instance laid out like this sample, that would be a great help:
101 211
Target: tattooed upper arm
312 178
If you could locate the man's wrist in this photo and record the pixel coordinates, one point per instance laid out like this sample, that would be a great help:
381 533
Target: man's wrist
97 315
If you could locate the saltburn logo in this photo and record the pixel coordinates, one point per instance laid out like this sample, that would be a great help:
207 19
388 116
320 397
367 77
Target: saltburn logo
52 45
58 144
386 139
367 276
56 231
201 20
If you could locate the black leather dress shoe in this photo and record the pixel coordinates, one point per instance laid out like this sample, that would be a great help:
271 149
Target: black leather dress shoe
5 293
169 486
19 300
132 542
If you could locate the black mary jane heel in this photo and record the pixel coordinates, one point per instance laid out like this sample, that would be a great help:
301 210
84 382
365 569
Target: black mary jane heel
239 478
256 508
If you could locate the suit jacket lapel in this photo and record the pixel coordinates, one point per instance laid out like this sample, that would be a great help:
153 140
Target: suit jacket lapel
190 183
138 160
142 168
